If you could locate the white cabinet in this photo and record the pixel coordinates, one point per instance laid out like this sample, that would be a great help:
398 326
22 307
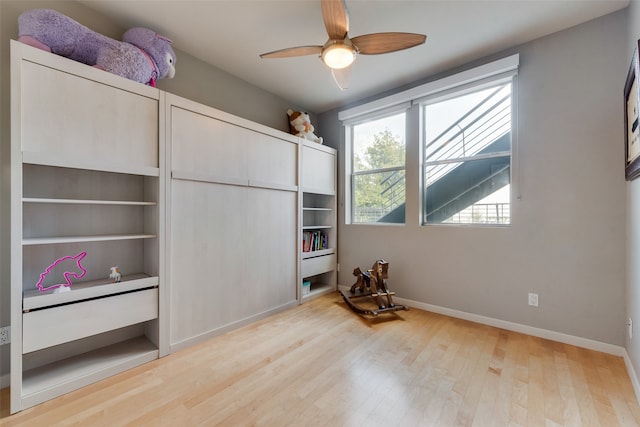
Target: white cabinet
318 212
85 168
233 201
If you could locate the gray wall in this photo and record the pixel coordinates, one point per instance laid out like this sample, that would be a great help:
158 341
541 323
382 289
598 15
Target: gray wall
633 212
194 80
567 240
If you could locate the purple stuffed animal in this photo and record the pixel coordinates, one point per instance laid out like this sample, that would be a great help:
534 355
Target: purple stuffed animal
142 56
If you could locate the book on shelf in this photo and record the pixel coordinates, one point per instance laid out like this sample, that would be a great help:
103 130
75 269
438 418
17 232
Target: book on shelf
314 241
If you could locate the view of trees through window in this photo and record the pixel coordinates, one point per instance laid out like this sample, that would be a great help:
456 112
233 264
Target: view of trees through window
379 170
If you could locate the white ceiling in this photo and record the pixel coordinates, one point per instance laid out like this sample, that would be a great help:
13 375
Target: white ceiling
231 34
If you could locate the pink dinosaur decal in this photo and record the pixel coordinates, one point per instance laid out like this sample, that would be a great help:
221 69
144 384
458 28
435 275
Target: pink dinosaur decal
67 274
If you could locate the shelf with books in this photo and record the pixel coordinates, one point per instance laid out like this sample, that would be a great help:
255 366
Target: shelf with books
318 233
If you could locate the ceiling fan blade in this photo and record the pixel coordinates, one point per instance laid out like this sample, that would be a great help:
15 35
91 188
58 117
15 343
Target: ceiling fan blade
293 51
336 20
342 77
374 44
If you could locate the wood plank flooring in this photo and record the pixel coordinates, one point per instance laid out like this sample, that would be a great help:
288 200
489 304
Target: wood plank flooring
319 364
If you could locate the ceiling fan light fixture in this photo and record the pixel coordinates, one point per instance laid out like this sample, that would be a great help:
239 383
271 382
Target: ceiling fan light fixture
338 55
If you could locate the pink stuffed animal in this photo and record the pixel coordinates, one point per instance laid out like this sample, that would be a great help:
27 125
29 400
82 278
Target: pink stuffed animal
142 56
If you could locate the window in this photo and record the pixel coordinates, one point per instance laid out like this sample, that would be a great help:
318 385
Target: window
467 157
457 134
378 170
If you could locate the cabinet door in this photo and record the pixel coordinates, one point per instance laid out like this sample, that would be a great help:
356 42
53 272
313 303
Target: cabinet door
207 146
85 120
207 263
272 162
271 249
318 170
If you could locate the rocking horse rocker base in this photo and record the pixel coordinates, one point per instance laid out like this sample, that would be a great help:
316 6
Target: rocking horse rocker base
372 283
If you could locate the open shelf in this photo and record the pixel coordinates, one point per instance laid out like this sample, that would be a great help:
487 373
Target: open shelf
321 252
318 289
34 299
81 239
86 202
41 383
316 227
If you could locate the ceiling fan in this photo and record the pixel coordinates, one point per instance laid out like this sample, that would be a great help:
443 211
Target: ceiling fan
339 52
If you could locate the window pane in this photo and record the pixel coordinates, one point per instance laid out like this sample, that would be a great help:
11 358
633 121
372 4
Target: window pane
467 158
467 125
379 144
471 187
378 180
379 197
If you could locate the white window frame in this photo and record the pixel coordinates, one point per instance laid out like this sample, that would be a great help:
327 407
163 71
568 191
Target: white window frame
349 168
454 93
472 78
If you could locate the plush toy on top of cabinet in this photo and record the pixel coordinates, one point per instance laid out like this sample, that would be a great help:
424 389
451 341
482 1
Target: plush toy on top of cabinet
143 56
300 125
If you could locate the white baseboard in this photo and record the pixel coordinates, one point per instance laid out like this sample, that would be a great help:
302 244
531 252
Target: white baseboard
516 327
632 375
530 330
615 350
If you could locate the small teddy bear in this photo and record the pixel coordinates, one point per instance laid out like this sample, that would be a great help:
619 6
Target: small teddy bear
300 125
143 56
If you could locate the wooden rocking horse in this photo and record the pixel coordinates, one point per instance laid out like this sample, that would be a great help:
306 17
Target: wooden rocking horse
372 283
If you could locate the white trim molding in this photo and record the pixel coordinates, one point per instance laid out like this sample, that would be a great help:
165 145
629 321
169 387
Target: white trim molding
501 66
632 375
615 350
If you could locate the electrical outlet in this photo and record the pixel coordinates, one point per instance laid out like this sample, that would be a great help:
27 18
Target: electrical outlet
630 327
533 300
5 335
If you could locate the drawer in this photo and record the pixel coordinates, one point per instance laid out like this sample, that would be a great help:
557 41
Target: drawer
57 325
318 265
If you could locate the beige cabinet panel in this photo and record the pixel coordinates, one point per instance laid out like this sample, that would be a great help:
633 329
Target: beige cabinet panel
85 120
271 248
233 221
318 169
272 162
207 247
201 144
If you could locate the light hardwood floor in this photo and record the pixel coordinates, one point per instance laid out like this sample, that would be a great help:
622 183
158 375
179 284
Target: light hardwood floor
320 364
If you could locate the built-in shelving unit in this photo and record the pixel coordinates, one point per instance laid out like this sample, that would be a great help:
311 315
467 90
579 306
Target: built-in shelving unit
85 178
318 212
108 167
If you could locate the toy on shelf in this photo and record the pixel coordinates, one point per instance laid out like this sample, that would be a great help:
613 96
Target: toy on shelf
300 125
53 270
115 275
142 56
372 283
